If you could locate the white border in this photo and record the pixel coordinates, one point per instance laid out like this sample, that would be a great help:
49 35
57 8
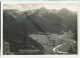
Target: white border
1 29
39 0
14 2
78 23
34 56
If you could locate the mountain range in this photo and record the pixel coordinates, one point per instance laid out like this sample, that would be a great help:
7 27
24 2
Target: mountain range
18 24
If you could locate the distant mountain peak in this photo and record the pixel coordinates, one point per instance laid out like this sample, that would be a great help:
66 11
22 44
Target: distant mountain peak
64 9
43 9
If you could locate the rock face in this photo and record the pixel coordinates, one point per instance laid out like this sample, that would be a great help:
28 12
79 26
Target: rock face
69 18
47 20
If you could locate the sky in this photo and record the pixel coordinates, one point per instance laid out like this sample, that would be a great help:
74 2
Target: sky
30 6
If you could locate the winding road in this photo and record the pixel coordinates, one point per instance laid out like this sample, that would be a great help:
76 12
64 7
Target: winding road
55 49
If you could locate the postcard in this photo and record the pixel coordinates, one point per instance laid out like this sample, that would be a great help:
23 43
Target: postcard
40 29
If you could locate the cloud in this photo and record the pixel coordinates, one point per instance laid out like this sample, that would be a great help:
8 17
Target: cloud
30 6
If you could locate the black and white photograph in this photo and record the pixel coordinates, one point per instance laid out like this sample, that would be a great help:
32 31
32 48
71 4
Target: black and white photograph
40 29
